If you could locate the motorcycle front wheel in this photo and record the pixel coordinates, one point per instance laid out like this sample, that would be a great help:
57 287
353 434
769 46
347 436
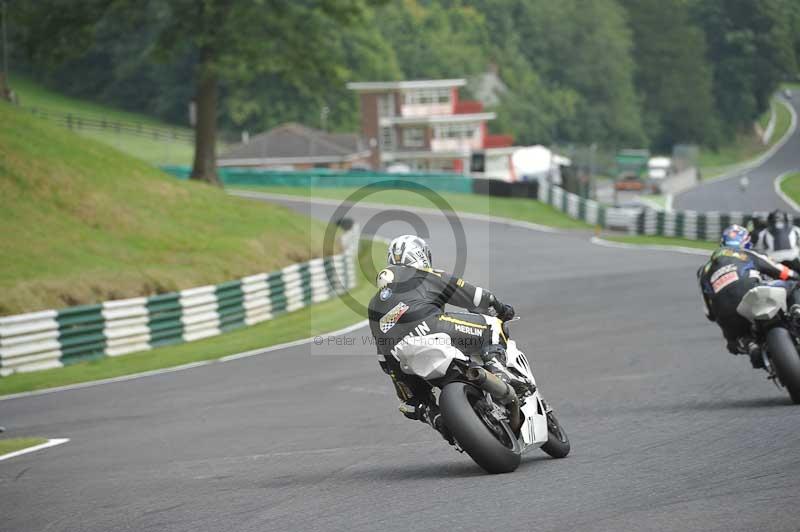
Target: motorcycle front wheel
557 444
490 444
785 360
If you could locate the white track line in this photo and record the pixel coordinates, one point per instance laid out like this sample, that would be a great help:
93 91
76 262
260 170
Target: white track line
45 445
777 185
182 367
255 352
675 249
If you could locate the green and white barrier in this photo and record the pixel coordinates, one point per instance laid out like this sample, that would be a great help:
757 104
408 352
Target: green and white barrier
644 221
692 225
54 338
586 210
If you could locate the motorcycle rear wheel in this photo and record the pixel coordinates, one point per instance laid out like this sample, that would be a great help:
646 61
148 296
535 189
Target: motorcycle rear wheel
785 359
458 403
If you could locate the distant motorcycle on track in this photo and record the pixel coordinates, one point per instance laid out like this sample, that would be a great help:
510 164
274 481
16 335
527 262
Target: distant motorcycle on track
780 240
491 421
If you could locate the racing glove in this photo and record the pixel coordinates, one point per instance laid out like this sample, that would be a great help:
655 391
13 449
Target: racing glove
504 312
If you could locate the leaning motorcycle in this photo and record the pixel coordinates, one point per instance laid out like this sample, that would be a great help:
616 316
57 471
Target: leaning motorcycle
765 307
491 421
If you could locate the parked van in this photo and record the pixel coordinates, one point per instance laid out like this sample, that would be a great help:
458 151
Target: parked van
659 168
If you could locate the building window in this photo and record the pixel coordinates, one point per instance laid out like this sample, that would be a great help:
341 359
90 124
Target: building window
456 131
428 96
387 138
413 137
386 105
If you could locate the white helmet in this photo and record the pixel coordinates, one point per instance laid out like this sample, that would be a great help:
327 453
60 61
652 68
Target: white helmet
410 250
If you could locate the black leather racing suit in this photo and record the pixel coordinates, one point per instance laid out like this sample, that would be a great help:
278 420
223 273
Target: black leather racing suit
727 277
411 301
782 237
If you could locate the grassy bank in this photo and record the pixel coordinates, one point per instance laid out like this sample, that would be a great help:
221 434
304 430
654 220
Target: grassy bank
83 223
515 208
745 147
155 151
9 445
791 186
310 321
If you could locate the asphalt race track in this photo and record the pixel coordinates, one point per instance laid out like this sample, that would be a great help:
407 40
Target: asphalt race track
725 195
668 431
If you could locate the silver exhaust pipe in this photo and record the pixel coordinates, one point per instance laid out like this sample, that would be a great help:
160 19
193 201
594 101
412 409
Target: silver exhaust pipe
491 383
500 391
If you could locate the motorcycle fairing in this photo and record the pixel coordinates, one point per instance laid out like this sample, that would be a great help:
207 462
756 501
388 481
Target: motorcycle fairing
427 356
762 303
534 426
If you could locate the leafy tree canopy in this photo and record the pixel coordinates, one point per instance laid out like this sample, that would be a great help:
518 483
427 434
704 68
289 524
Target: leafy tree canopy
613 72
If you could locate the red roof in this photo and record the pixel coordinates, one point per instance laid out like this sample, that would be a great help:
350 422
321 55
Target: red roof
498 141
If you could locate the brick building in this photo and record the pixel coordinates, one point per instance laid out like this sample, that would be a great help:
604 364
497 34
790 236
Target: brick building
423 124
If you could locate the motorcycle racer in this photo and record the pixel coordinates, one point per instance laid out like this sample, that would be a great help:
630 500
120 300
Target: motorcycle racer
410 302
729 274
780 236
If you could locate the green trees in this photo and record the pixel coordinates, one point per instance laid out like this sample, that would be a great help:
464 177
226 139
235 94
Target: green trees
613 72
672 77
584 47
435 40
751 49
224 41
239 41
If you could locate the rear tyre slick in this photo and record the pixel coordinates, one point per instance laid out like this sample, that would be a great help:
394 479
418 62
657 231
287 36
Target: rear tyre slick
455 404
786 361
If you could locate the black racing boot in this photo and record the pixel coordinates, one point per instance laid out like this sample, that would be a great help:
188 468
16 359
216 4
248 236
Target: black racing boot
756 358
494 359
430 414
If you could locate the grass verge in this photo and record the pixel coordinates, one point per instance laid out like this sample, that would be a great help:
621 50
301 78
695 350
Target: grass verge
83 223
664 241
9 445
154 151
310 321
515 208
745 147
791 186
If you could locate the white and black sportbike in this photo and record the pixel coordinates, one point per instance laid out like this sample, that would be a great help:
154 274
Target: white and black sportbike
491 420
776 342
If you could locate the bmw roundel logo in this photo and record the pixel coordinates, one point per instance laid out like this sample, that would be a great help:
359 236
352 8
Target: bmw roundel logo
385 294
